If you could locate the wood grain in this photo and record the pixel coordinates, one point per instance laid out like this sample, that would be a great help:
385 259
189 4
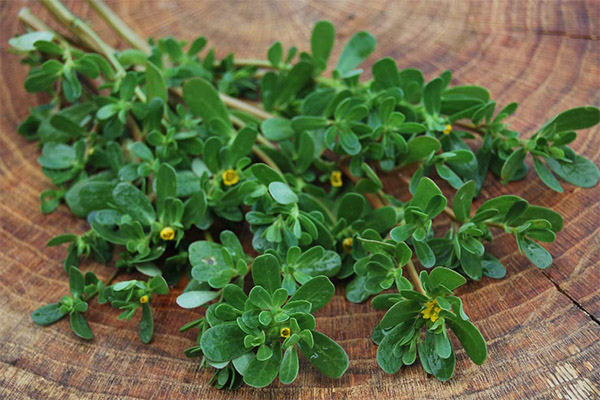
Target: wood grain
542 327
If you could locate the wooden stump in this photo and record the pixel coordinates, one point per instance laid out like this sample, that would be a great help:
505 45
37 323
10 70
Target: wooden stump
541 326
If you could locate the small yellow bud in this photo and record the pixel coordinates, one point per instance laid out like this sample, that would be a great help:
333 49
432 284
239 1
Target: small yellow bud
448 129
431 311
144 299
91 151
347 245
285 333
230 177
336 179
167 233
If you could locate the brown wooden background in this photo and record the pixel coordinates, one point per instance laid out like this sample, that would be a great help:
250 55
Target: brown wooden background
542 327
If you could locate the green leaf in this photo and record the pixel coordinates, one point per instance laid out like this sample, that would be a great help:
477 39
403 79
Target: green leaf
420 147
296 79
196 298
349 142
538 212
48 314
262 373
260 297
441 368
386 74
275 54
471 264
166 184
356 292
432 96
351 207
512 165
305 122
328 356
288 370
158 285
536 253
426 190
318 261
26 41
424 254
265 174
282 193
463 199
400 312
76 281
546 176
223 342
202 98
277 129
318 291
573 119
471 339
266 272
155 83
386 358
80 326
57 156
358 48
581 172
447 277
146 324
321 43
134 202
242 144
412 84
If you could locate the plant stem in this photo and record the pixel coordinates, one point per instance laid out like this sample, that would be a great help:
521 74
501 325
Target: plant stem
252 63
87 35
128 35
82 31
34 23
375 201
106 282
119 26
414 276
243 106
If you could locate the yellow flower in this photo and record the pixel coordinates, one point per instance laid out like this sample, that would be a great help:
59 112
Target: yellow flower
167 233
336 179
431 311
230 177
448 129
144 299
285 332
347 245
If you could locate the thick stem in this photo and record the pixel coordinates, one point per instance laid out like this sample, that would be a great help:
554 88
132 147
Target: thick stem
82 31
414 276
119 26
88 37
243 106
34 23
240 62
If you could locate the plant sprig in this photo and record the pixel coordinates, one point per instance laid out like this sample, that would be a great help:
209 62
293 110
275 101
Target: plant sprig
157 143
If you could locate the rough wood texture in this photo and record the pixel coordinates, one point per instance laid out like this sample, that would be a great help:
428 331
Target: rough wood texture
542 327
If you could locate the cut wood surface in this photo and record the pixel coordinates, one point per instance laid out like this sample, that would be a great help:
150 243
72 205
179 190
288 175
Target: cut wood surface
541 327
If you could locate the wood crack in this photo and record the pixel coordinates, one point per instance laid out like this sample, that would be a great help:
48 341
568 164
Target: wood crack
573 300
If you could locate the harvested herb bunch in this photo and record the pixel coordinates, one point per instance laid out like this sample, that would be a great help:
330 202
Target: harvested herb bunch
155 144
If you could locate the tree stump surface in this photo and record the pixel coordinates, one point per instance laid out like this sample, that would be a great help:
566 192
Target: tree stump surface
541 327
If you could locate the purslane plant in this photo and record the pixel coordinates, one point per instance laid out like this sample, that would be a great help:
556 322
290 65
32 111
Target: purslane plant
155 144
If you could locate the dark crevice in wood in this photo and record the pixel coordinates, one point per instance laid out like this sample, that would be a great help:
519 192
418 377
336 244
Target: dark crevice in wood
573 300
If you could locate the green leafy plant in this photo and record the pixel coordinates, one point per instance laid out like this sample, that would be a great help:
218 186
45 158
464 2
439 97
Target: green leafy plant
158 145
